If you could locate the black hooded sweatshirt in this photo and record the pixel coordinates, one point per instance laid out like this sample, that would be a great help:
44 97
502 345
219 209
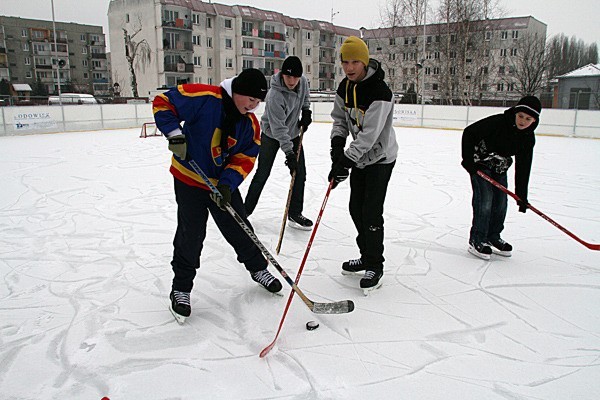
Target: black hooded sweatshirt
492 141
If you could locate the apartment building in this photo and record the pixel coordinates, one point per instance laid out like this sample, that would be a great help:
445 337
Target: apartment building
28 54
476 62
195 41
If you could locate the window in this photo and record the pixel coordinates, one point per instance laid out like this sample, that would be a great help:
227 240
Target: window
209 62
28 74
229 63
228 24
247 64
434 86
126 17
392 56
488 35
247 27
170 15
452 38
27 61
196 19
307 51
452 54
404 86
210 81
198 61
484 87
486 53
484 70
38 34
413 71
208 22
413 40
427 71
511 87
228 43
84 50
428 56
404 71
86 75
429 39
23 32
500 87
392 41
452 70
513 52
308 68
82 37
503 52
209 42
436 70
504 35
84 63
406 41
501 70
511 70
436 55
25 46
197 40
308 35
515 35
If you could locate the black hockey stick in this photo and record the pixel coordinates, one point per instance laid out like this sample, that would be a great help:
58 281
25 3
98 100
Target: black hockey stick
591 246
339 307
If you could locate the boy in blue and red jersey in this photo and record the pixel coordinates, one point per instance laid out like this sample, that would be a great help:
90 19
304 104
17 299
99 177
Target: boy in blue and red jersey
222 134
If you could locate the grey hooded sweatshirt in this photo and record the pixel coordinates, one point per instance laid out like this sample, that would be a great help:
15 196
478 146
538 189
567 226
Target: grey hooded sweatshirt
365 110
283 109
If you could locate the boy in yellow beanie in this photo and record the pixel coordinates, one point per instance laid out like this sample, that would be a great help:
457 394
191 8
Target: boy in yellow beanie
364 108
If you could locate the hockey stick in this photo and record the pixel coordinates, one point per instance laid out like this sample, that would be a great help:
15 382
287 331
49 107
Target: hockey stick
339 307
266 350
289 198
590 246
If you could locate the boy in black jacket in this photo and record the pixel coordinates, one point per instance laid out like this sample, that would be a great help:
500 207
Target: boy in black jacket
488 145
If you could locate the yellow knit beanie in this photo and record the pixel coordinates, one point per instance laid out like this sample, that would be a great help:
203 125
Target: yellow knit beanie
354 48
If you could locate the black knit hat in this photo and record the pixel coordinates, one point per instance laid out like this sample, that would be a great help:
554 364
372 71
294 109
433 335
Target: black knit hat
292 66
530 105
250 82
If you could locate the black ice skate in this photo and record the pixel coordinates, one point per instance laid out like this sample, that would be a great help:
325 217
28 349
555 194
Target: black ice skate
266 280
352 267
299 221
180 305
481 250
371 281
501 247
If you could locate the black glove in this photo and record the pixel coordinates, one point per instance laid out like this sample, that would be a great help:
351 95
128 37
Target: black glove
340 171
523 205
291 161
178 145
224 198
337 148
305 120
471 168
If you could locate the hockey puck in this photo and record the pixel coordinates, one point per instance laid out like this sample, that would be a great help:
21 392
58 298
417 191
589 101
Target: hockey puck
312 325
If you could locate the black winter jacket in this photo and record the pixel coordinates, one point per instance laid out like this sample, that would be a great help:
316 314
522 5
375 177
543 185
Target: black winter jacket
491 143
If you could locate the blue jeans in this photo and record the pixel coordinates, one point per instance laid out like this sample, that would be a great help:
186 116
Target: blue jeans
489 207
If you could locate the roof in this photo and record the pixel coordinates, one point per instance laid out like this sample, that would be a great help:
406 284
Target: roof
587 70
21 87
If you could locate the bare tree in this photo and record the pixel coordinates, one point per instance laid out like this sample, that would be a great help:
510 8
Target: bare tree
529 65
567 54
137 53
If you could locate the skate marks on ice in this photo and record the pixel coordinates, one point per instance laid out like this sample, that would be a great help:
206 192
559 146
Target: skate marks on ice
86 226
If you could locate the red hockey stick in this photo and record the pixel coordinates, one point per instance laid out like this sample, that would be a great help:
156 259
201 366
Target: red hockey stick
266 350
590 246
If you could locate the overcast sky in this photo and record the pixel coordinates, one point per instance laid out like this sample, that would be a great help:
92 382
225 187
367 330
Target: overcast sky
575 18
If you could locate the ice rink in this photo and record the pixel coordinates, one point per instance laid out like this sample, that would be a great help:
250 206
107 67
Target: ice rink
86 225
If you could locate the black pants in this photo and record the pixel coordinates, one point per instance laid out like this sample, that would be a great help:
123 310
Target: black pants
193 206
368 187
266 158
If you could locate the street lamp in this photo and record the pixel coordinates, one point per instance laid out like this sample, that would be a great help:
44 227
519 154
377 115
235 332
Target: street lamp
56 54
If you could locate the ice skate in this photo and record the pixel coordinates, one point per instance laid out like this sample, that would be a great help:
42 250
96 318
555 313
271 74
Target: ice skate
371 281
266 280
352 267
501 247
481 250
299 221
180 305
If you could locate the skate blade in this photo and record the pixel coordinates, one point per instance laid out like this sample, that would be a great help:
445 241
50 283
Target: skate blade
478 254
179 318
294 225
350 273
367 291
502 253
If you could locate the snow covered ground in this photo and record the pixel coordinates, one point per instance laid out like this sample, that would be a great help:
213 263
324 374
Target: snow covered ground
86 224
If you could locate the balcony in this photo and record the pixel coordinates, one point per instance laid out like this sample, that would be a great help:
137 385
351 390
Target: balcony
179 23
178 46
253 52
327 43
101 56
267 72
264 34
100 80
275 54
43 66
179 67
327 59
326 75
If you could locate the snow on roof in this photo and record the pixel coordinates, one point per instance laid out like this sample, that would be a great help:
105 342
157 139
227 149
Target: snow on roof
587 70
21 87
